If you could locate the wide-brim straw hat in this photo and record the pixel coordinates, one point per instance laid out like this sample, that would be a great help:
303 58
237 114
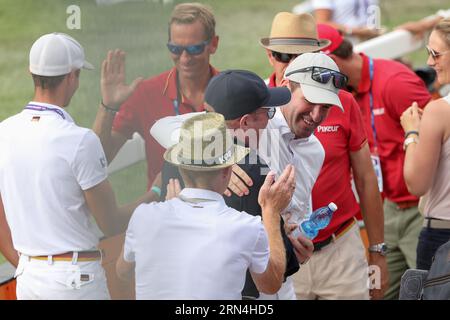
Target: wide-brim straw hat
294 34
205 145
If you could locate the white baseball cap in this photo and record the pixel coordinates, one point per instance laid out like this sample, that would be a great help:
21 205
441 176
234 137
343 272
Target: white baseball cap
56 54
300 71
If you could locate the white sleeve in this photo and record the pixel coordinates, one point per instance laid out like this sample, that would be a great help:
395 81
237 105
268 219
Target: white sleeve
167 130
260 255
322 4
128 247
89 164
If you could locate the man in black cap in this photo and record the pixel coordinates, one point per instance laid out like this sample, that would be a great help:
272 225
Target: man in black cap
246 104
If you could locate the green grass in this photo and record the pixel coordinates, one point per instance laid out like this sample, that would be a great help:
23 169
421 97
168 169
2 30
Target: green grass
140 28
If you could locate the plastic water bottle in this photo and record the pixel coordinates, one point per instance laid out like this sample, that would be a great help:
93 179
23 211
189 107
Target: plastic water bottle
318 220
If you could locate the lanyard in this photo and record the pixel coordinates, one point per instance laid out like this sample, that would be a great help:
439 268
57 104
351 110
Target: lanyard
36 107
176 103
372 115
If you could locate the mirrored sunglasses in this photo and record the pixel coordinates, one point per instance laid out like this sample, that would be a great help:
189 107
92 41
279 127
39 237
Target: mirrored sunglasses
323 75
283 57
192 50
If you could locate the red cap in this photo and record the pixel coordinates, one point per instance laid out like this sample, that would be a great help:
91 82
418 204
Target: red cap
326 31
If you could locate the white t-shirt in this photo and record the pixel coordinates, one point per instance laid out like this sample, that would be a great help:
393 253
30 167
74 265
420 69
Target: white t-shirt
46 162
194 251
279 148
352 13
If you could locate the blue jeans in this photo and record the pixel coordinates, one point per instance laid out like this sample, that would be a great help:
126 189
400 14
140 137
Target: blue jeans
429 241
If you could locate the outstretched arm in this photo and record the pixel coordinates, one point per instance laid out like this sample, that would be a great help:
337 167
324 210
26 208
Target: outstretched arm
273 198
114 93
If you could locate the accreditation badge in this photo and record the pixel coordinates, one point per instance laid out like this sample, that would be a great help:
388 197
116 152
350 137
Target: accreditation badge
377 167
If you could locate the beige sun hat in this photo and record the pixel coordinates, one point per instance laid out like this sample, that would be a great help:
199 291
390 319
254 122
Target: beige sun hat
294 34
205 145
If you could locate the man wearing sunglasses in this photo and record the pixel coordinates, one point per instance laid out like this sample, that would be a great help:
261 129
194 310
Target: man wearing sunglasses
383 90
342 135
247 105
290 35
192 40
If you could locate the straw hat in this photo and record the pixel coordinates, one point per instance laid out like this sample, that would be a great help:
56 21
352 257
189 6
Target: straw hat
205 145
294 34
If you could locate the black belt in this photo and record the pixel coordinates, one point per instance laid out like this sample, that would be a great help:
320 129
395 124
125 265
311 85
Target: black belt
344 227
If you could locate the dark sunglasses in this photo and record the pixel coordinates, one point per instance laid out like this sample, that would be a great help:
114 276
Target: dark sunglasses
283 57
435 54
323 75
192 50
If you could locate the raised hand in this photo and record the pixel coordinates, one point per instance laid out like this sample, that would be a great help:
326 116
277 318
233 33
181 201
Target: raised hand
410 119
276 195
112 83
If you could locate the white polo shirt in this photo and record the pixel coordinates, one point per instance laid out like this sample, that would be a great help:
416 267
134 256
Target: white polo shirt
184 250
353 13
278 147
46 162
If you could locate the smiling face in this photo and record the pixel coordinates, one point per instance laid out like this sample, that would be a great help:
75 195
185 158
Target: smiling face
302 116
441 63
191 66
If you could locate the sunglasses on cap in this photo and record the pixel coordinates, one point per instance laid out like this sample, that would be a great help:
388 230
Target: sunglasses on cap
435 54
283 57
192 50
323 75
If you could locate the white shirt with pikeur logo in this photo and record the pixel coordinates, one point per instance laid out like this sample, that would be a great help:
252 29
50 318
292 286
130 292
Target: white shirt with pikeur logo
46 162
279 148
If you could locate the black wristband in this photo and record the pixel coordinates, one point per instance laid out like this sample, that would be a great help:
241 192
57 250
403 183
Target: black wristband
408 133
109 109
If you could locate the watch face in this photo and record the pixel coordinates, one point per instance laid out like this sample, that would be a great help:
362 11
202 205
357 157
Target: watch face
380 248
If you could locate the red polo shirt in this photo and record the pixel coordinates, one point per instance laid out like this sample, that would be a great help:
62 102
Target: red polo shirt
152 100
394 88
340 133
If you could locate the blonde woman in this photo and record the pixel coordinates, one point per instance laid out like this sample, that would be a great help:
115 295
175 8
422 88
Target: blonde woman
427 144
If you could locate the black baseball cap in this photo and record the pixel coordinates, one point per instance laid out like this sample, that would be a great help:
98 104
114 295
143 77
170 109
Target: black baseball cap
234 93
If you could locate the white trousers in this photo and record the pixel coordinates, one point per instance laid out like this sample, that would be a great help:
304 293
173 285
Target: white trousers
338 271
60 280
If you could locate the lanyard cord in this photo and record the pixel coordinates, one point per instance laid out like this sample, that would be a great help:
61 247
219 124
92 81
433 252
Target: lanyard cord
36 107
374 130
176 103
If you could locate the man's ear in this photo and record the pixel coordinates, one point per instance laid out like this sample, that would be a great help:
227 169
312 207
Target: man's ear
269 56
244 122
214 45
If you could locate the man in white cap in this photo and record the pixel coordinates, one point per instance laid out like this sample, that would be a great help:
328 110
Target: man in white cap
53 177
196 247
311 81
344 140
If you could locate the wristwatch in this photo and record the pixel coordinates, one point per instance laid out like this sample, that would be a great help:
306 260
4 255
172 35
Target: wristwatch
408 141
380 248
